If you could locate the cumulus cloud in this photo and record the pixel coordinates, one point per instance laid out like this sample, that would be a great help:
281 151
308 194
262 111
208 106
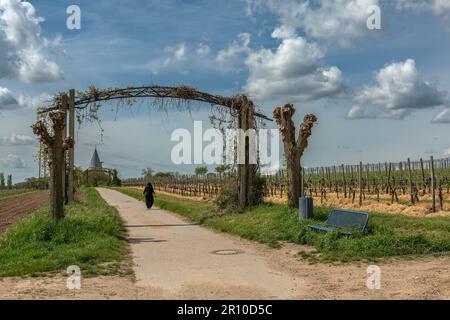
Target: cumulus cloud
358 112
295 70
203 50
13 161
176 55
234 50
442 117
7 99
24 52
399 90
335 21
14 140
447 153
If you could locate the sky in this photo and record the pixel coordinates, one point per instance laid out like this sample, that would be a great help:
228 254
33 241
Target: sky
379 94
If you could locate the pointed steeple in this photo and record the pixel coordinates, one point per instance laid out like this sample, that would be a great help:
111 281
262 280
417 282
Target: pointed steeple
95 161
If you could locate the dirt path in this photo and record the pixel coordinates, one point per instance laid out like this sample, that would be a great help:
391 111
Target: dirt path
14 209
173 260
175 256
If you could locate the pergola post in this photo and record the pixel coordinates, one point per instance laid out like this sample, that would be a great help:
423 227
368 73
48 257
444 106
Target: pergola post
246 171
64 135
71 157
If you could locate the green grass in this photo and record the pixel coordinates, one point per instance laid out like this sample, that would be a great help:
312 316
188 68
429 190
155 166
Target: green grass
388 235
7 194
91 236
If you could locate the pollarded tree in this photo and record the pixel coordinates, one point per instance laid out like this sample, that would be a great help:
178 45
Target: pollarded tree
293 148
56 143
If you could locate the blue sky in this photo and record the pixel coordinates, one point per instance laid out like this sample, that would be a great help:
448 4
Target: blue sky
380 95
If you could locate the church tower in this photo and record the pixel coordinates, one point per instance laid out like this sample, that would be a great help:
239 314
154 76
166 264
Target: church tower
95 161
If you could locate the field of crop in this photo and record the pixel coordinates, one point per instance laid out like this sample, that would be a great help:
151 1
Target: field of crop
412 188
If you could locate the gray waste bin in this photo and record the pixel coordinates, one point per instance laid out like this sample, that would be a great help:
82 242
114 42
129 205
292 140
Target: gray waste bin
306 208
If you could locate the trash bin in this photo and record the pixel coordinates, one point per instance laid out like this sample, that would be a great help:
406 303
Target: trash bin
306 208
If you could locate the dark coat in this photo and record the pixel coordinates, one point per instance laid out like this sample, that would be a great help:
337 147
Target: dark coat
149 192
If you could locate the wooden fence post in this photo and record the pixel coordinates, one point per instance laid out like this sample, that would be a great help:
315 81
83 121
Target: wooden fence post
360 184
411 191
433 193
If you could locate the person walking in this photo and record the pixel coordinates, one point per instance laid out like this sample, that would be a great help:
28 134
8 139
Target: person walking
149 192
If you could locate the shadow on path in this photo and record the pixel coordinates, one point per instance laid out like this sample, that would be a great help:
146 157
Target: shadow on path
143 240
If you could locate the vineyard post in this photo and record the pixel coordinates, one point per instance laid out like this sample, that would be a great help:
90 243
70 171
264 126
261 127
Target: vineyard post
344 181
410 182
71 162
367 178
335 181
360 184
433 195
423 176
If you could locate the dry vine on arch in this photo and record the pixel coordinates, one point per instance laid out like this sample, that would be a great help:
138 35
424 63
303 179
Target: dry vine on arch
88 103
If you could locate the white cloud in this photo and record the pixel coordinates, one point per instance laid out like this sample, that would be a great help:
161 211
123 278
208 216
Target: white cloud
177 54
294 71
13 161
234 50
447 153
335 21
35 102
7 99
203 50
398 92
437 7
23 50
17 140
442 117
357 112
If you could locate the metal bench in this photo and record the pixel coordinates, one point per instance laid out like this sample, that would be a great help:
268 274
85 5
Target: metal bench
345 221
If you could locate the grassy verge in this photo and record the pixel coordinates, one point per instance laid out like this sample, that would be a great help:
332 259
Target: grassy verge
91 237
7 194
388 235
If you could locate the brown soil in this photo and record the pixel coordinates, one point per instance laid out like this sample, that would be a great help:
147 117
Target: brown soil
14 209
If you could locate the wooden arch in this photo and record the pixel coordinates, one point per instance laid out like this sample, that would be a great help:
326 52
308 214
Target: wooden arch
62 115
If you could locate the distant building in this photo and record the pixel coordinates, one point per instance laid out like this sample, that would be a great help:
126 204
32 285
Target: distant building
96 175
95 161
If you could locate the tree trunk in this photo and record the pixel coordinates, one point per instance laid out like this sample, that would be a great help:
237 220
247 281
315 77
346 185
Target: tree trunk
293 149
56 189
56 144
294 187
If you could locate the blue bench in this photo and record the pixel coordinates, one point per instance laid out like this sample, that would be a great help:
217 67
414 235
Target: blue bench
345 221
